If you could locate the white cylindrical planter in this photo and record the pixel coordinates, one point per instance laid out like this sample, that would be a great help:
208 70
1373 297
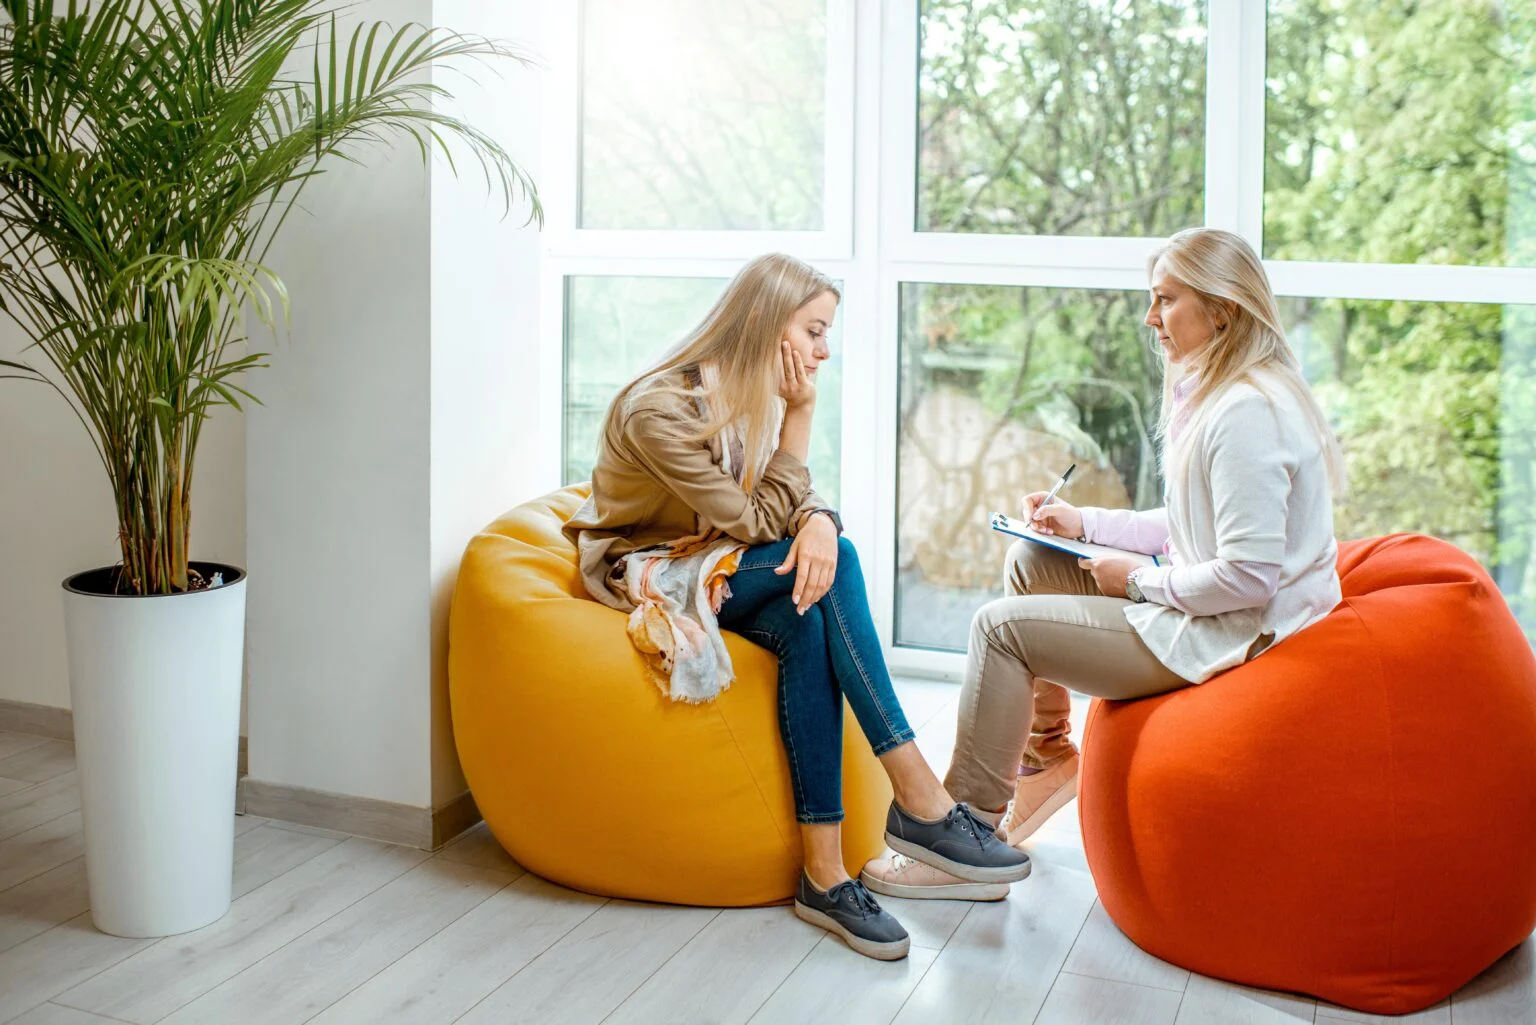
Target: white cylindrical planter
155 685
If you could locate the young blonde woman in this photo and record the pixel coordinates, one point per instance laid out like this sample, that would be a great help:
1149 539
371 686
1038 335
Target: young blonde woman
702 517
1250 468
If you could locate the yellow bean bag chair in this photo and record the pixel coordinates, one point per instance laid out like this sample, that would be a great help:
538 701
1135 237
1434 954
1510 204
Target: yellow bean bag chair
587 774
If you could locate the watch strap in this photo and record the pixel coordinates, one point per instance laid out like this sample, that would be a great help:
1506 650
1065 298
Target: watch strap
837 521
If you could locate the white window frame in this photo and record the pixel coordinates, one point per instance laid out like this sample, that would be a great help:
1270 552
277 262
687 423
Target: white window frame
872 246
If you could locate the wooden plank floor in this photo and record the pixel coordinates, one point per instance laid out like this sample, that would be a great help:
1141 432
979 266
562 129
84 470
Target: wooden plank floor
337 930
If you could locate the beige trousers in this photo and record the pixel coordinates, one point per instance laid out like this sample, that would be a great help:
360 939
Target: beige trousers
1054 630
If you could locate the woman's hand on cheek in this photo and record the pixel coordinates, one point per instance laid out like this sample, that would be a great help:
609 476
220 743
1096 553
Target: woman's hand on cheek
1109 574
795 386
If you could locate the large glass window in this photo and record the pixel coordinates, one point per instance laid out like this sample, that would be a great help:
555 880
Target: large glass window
1001 389
698 114
1059 117
1435 407
1399 131
616 326
993 171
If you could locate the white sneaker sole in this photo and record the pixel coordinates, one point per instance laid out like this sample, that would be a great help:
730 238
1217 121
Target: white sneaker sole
970 873
1057 801
893 951
942 891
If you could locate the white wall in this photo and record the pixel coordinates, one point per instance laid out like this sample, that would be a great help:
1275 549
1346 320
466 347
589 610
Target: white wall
485 324
337 475
56 518
390 435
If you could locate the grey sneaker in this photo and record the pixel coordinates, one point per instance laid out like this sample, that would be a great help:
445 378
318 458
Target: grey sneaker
849 911
959 843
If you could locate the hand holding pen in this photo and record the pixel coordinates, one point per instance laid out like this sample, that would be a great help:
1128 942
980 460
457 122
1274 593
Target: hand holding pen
1049 516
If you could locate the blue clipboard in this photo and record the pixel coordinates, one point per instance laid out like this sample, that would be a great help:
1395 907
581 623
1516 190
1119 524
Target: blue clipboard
1080 549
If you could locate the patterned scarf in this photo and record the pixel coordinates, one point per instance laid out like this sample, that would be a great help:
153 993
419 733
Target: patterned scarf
678 588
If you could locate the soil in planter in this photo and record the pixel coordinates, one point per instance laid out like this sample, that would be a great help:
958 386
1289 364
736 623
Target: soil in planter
110 581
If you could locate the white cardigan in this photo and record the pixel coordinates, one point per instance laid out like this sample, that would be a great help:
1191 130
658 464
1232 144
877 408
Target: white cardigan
1253 488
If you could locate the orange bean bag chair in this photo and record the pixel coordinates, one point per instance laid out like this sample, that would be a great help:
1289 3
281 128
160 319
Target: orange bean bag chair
587 775
1351 815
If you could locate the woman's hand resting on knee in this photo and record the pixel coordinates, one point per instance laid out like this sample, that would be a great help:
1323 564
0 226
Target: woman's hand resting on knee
814 558
1056 518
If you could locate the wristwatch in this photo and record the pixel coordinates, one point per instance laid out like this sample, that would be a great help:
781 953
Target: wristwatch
1132 590
837 521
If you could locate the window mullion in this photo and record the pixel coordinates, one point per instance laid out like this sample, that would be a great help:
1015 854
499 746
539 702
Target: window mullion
1249 88
893 25
1224 113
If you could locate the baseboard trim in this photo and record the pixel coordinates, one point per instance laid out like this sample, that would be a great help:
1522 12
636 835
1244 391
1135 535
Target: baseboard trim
38 720
424 828
59 724
405 824
453 818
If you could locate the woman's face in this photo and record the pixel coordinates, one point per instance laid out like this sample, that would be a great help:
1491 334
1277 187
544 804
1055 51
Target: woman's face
807 330
1183 326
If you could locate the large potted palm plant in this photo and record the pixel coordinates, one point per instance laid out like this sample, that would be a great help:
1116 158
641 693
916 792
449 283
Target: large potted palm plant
150 151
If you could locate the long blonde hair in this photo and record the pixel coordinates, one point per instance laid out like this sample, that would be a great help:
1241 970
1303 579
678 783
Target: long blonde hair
738 337
1229 280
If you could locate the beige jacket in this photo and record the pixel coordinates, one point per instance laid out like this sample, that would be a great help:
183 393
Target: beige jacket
651 490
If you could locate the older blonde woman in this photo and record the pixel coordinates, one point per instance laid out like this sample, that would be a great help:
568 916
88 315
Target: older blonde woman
702 516
1250 466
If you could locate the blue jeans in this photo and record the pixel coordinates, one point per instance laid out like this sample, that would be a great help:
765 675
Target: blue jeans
830 653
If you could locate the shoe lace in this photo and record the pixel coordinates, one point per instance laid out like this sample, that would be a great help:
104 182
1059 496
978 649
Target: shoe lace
862 900
962 818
